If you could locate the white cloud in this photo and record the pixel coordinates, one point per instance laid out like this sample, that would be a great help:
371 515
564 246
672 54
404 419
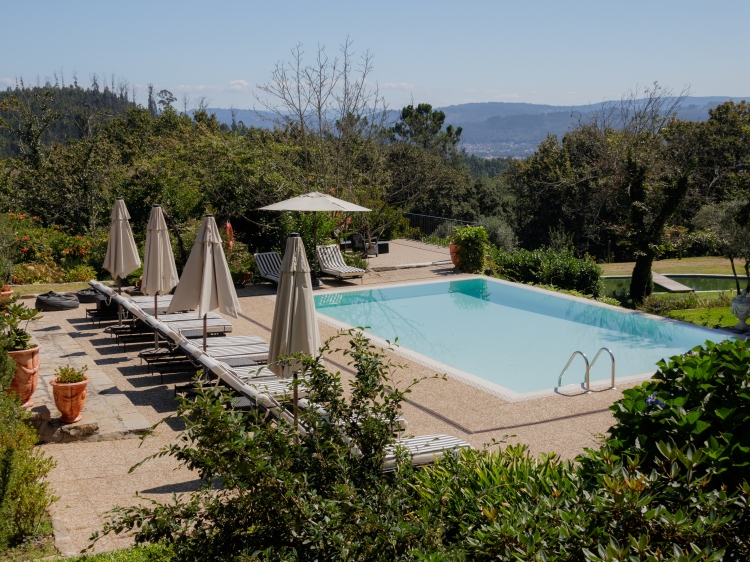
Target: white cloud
8 81
397 86
232 86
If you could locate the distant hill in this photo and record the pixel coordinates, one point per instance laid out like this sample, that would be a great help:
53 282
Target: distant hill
494 129
515 129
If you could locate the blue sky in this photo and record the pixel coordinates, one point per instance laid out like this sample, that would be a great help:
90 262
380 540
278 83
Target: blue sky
439 52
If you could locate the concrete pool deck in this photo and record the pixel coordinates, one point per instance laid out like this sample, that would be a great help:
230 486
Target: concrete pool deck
92 477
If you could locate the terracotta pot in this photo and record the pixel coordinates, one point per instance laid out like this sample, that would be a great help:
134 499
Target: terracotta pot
27 374
454 254
8 293
69 399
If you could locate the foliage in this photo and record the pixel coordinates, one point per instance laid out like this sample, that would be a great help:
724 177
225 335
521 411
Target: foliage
508 505
353 259
139 553
7 250
499 233
80 273
30 273
24 495
548 267
67 374
710 317
600 298
666 303
324 486
489 167
11 317
697 401
472 242
424 127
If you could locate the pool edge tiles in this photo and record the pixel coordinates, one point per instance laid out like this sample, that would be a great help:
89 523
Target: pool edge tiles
494 388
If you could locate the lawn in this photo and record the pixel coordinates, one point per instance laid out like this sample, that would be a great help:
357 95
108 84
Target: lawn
710 317
685 265
40 288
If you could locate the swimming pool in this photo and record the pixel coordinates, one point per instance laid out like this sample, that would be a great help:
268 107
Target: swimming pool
508 338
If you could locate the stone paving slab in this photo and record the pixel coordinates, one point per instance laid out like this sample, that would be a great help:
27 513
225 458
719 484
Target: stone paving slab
108 414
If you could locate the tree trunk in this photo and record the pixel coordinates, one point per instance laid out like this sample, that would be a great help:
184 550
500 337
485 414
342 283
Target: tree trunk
734 271
642 282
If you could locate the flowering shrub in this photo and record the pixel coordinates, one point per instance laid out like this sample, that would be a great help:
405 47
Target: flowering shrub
27 273
53 254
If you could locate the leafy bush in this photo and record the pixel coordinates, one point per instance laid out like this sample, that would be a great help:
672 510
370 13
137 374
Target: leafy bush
283 495
29 273
80 273
472 242
548 267
12 315
662 305
500 233
699 401
67 374
7 249
353 259
24 495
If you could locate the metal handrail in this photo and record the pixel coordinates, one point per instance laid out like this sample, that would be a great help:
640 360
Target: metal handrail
598 353
588 369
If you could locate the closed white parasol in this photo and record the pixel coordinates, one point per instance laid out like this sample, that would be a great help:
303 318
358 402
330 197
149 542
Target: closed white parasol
206 283
295 328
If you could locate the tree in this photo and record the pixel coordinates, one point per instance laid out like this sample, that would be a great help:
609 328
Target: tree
732 233
166 99
424 126
27 116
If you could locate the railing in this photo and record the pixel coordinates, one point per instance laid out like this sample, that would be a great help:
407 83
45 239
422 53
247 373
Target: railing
588 369
589 366
429 225
612 356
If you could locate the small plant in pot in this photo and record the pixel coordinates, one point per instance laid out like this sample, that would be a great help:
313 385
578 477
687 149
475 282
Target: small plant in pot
6 291
20 348
69 389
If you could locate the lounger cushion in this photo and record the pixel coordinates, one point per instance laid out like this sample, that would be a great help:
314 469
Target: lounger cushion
269 265
332 263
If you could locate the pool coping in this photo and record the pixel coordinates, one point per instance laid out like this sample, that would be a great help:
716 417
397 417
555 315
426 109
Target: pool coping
478 382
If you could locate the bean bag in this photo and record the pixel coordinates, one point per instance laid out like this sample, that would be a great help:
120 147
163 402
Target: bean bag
56 301
89 296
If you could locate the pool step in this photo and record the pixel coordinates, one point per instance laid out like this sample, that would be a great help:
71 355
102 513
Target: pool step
670 284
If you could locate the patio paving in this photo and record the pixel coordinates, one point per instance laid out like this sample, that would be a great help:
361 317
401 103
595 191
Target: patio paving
409 253
91 477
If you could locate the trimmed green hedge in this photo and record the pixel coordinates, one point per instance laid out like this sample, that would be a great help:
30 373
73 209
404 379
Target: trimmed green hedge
549 267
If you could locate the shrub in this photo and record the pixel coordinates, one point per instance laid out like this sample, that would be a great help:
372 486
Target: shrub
29 273
548 267
80 273
353 259
500 233
24 495
68 374
698 400
473 246
281 495
662 305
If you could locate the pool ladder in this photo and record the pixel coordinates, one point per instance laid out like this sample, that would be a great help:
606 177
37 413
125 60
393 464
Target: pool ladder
589 366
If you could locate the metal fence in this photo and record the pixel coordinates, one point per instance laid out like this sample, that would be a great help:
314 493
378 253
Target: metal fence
441 227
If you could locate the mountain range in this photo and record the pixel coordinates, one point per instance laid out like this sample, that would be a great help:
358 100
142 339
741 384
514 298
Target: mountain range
493 129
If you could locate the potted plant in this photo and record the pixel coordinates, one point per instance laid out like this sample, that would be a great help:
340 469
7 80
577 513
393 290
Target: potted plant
69 390
20 348
6 291
468 246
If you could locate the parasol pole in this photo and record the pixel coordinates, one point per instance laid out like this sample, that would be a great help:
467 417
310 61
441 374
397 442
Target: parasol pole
156 316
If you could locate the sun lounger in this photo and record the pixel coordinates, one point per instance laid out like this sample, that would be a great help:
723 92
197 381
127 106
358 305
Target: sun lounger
269 265
425 449
332 263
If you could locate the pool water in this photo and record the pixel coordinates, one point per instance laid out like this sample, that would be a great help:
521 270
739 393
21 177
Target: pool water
510 335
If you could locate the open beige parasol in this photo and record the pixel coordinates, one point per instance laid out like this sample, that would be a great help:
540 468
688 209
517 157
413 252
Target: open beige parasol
315 202
206 283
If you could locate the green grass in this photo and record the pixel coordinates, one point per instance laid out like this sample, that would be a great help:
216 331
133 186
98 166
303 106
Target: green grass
715 265
710 317
39 288
139 553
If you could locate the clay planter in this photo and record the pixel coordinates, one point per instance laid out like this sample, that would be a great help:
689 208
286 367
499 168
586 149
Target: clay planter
454 254
69 399
8 293
27 374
